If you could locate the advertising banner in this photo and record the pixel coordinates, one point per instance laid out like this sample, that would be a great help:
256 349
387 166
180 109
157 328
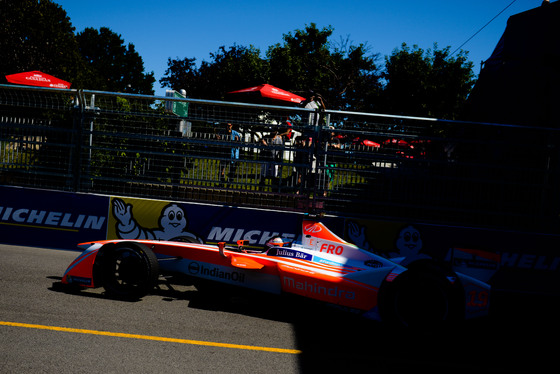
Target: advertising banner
51 219
508 260
62 220
132 218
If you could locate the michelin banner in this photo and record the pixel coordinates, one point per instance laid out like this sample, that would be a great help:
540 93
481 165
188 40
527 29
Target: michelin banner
62 220
51 219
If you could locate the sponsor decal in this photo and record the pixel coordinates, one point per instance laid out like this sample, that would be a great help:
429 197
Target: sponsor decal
312 228
373 264
332 249
286 252
215 272
318 290
78 280
327 262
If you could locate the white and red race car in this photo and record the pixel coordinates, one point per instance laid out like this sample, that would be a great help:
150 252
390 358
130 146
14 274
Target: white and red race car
320 266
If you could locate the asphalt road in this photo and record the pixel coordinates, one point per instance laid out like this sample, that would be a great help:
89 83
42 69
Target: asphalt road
44 330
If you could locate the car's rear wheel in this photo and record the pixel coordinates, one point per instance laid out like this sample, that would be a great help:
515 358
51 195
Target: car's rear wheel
128 270
418 299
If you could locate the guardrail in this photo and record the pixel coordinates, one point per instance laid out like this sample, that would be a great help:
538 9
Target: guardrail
341 162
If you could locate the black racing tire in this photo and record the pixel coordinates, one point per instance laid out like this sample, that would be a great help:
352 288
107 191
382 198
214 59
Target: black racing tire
419 299
128 270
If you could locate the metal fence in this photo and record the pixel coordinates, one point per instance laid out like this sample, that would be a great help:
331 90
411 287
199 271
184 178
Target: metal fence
357 164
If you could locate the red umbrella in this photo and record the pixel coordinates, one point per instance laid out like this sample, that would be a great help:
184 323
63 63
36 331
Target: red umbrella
37 78
370 143
271 92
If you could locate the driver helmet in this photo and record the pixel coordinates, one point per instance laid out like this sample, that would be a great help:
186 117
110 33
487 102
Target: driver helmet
275 242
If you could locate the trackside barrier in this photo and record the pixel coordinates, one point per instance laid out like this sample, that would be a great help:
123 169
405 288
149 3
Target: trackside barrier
517 261
58 219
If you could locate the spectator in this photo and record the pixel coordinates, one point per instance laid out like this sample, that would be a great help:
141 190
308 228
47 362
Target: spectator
229 134
303 169
272 155
316 103
265 155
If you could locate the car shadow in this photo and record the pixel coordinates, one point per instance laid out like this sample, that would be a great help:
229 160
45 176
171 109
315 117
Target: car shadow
331 339
510 339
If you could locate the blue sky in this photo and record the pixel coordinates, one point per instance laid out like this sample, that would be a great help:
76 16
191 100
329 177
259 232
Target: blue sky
181 28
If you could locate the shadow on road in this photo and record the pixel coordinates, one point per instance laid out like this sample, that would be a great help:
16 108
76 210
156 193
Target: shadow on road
514 338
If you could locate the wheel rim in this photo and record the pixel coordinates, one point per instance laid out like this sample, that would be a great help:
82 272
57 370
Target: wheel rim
125 271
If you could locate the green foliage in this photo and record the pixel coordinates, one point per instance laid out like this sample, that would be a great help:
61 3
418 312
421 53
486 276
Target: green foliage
38 35
426 83
181 74
305 62
357 84
230 69
414 82
115 67
346 75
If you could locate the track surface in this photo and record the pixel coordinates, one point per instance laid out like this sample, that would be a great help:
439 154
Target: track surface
183 330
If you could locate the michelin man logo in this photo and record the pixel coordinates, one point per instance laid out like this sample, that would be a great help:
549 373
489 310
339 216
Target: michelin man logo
409 242
357 235
172 224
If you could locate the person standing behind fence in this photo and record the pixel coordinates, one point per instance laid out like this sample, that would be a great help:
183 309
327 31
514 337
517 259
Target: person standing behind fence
303 168
277 152
332 143
229 134
265 155
315 102
272 155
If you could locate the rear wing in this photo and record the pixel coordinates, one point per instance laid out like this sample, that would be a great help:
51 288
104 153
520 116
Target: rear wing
316 232
317 237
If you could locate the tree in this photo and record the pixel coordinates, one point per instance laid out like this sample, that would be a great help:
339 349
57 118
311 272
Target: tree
229 69
308 62
426 83
414 82
115 67
357 83
38 35
232 69
347 76
301 63
181 74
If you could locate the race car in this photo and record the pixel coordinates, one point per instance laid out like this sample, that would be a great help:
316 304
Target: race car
320 266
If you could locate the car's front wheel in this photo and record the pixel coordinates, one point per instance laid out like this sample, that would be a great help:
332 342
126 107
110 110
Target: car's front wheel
128 270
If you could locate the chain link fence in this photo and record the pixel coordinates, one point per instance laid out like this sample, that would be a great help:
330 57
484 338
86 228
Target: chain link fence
354 164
